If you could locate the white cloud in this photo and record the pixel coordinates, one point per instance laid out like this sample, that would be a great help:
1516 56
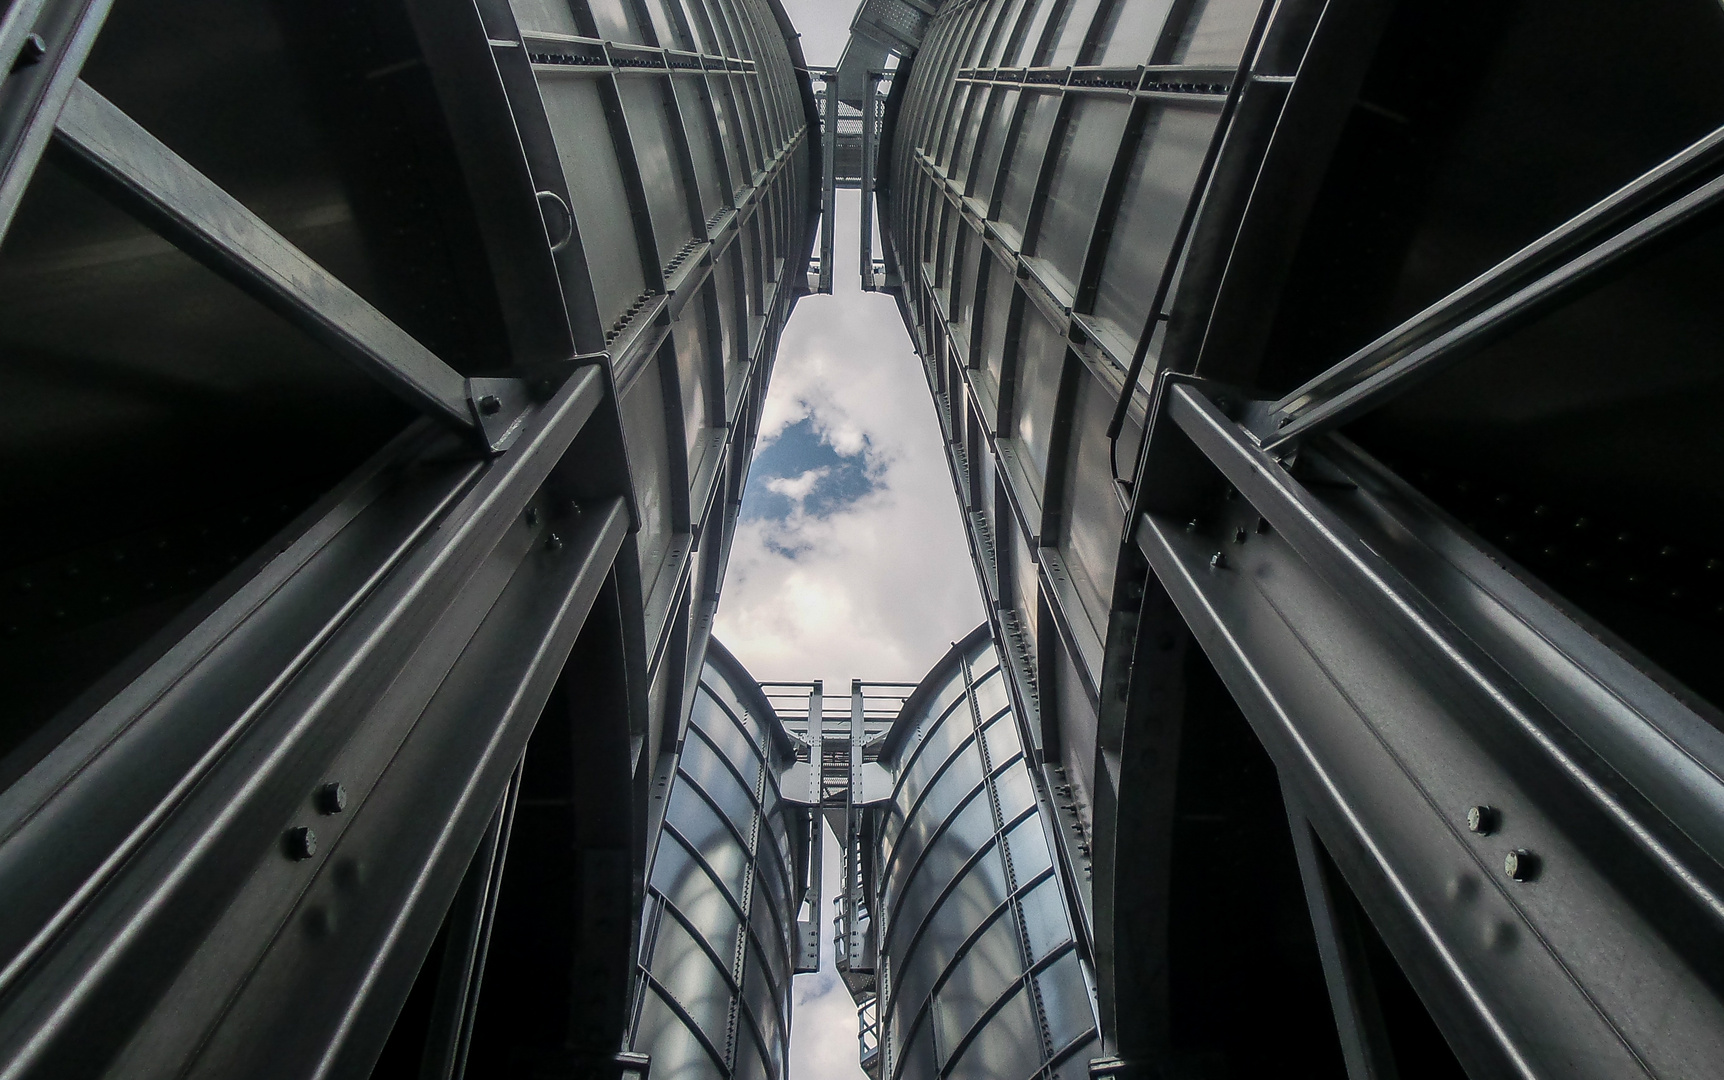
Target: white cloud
879 588
876 589
797 487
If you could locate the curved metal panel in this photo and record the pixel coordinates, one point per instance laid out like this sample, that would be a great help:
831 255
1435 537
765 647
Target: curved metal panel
719 933
977 972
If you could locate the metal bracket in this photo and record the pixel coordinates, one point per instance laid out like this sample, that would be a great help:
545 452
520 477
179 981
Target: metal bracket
500 404
499 408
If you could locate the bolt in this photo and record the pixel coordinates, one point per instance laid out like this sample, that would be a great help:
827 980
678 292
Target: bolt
1217 561
1191 526
489 404
301 843
1262 525
1482 819
332 798
553 542
532 515
1521 865
33 49
1284 421
1239 535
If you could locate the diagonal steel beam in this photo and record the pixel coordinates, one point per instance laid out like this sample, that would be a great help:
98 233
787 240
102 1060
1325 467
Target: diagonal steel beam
1547 270
43 45
216 229
1502 791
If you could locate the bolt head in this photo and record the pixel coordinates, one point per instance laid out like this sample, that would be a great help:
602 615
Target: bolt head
1239 535
1482 819
532 515
332 798
490 404
301 843
553 542
1520 864
1217 561
34 49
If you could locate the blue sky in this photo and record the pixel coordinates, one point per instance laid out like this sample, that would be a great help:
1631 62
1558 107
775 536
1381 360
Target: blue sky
802 472
849 561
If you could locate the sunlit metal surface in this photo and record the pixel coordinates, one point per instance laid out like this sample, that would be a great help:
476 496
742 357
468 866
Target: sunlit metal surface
728 877
952 931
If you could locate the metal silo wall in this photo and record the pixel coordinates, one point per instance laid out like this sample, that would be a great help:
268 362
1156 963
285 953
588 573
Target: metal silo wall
1029 306
394 372
1357 593
978 971
720 923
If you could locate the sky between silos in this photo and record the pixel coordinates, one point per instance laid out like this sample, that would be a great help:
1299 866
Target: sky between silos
849 561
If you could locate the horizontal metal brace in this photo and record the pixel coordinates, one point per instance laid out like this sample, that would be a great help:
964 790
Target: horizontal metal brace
215 228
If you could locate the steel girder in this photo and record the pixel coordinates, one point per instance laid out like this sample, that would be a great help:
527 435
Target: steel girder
1479 763
234 853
